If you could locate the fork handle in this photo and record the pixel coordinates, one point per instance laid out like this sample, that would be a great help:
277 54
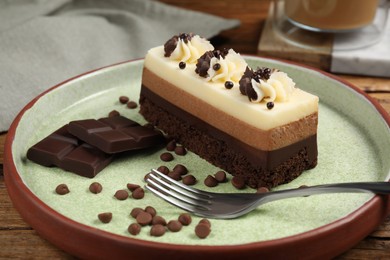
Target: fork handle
351 187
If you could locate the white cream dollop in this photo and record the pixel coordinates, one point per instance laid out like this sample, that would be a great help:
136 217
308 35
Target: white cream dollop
278 87
191 51
232 68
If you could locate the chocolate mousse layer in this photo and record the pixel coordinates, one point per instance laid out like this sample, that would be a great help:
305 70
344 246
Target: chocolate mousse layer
277 137
258 167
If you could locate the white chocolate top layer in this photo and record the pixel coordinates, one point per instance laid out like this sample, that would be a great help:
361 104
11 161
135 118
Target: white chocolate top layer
231 101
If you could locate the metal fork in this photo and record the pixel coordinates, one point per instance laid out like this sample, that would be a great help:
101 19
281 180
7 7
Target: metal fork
232 205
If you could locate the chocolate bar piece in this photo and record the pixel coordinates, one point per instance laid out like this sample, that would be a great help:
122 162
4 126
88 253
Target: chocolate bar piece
65 151
115 134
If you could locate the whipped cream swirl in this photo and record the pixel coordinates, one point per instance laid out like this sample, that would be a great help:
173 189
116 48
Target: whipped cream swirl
230 68
267 85
187 47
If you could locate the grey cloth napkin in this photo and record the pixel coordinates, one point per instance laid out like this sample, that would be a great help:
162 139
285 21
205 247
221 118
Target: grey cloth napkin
44 42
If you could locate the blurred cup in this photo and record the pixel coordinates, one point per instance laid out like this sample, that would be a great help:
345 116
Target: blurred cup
331 15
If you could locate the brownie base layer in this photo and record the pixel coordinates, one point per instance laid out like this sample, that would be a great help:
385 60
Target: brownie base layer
257 168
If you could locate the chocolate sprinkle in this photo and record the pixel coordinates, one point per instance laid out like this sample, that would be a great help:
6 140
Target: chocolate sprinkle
95 187
229 84
238 182
157 230
159 220
220 176
144 218
123 99
180 150
62 189
163 169
210 181
182 65
181 169
171 145
105 217
138 193
132 187
135 211
134 229
152 211
113 113
185 219
174 225
121 194
189 180
132 104
166 157
202 230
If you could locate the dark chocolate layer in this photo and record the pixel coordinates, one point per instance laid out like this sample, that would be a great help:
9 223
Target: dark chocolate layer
259 168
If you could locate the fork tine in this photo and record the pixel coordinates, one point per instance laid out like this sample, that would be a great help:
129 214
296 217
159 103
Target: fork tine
175 191
172 200
181 185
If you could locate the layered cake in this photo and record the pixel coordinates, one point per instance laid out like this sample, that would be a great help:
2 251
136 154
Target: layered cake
252 122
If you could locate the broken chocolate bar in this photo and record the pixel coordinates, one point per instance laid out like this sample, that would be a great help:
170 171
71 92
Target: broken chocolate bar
65 151
115 134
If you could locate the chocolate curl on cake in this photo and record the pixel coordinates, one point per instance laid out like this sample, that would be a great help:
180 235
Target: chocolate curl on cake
245 82
203 64
171 44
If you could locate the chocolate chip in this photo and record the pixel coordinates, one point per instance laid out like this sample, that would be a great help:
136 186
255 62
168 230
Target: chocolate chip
62 189
189 180
135 211
144 218
131 105
182 65
105 217
216 66
159 220
238 182
202 230
121 194
270 105
171 145
262 190
180 150
181 169
138 193
166 157
132 187
113 113
157 230
175 175
134 229
163 169
229 84
185 219
205 221
152 211
146 176
123 99
95 187
210 181
174 225
220 176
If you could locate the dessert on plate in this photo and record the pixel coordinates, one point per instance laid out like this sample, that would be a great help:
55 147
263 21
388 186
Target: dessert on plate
253 123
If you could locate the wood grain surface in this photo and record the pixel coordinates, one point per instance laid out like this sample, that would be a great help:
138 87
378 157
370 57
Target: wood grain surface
19 240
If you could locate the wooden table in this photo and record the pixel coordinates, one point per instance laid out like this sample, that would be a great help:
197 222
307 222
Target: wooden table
19 240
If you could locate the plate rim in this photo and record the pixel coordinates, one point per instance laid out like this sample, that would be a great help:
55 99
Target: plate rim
367 216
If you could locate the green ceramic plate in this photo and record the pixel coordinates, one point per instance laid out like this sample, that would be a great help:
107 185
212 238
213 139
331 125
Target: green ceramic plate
353 144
